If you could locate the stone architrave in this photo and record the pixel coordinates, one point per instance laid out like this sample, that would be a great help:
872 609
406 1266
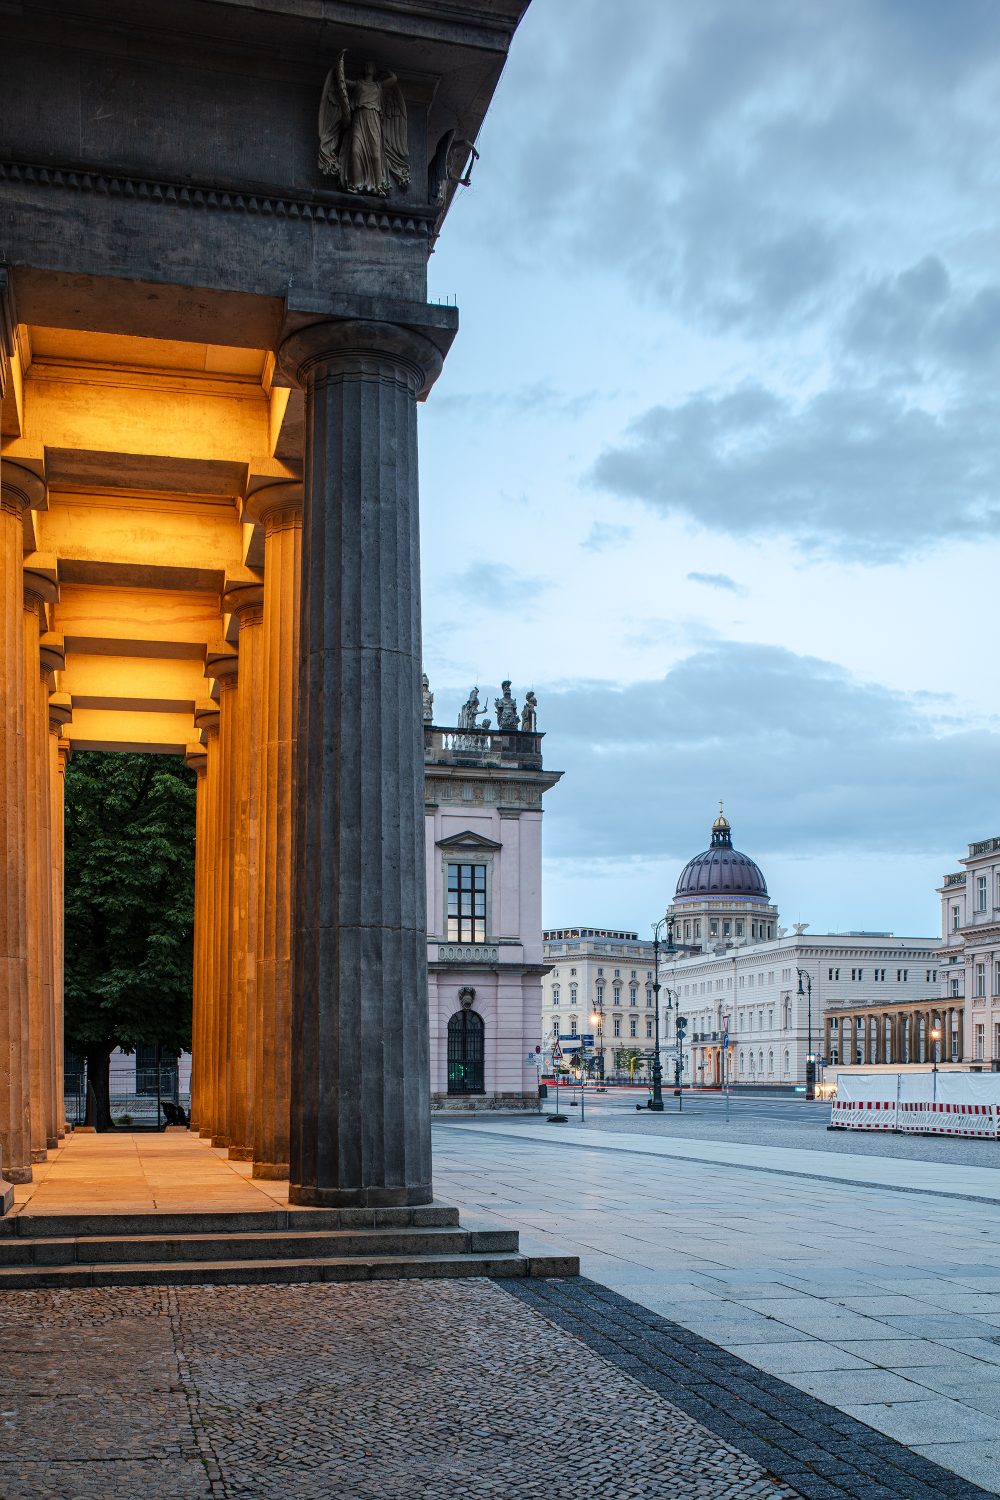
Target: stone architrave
278 507
223 665
19 490
204 1061
360 1095
247 603
197 759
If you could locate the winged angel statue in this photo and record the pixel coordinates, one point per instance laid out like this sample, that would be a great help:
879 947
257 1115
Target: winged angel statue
362 131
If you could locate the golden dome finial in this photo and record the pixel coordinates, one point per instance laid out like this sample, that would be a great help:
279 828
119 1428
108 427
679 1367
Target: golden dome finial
721 824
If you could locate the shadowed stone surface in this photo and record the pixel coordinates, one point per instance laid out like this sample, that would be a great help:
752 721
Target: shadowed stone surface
317 1391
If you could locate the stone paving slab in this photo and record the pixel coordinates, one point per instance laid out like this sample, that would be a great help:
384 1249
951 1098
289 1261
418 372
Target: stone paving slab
814 1448
398 1392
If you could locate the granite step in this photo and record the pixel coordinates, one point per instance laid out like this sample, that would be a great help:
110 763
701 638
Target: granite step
291 1244
259 1272
39 1225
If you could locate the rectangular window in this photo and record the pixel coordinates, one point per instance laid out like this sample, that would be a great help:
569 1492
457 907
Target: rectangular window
981 893
902 975
618 1025
996 1039
857 975
739 929
467 904
996 979
632 975
880 976
955 988
979 1040
631 1026
649 1027
956 918
713 928
572 1027
833 973
980 979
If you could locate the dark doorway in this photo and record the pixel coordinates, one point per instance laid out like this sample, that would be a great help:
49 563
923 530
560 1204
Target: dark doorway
465 1053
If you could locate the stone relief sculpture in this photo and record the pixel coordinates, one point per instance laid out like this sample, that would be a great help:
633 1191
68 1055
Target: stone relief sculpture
470 708
428 699
441 170
362 131
529 714
506 708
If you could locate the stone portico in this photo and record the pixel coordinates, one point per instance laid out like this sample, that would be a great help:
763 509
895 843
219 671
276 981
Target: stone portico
214 335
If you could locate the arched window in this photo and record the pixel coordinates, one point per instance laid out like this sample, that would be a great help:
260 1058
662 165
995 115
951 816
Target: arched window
760 1063
787 1062
770 1062
465 1052
741 1061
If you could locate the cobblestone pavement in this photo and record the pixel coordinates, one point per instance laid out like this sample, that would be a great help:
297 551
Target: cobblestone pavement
396 1391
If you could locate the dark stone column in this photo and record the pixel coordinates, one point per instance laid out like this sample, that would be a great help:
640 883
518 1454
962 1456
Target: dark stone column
360 1082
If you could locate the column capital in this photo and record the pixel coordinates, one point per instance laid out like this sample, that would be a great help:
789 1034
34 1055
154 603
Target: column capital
222 663
268 499
206 717
52 655
196 757
21 488
65 748
352 348
60 710
241 599
41 578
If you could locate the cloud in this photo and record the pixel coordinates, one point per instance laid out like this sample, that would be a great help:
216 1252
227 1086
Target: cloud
603 535
917 323
495 586
856 471
717 581
811 762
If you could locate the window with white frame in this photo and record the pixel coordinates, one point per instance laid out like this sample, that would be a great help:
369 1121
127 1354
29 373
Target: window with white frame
632 1025
833 973
996 1039
466 903
956 918
787 1061
617 1025
981 893
572 1026
978 1040
996 978
857 975
980 979
902 976
555 994
633 995
956 988
572 994
649 1027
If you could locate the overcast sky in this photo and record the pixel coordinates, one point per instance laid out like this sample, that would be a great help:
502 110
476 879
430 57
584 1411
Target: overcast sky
714 464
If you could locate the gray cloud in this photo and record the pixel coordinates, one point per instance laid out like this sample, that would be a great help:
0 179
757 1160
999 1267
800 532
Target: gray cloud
491 585
811 762
717 581
856 471
603 535
917 323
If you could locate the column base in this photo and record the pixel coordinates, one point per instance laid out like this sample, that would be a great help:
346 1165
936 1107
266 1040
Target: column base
270 1171
220 1141
52 1142
85 1130
40 1156
205 1134
373 1197
17 1175
241 1153
6 1197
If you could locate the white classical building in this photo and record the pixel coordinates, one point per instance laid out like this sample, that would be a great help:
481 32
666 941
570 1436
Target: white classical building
485 960
969 951
778 996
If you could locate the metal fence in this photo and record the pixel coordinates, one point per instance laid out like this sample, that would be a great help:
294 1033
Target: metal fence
135 1093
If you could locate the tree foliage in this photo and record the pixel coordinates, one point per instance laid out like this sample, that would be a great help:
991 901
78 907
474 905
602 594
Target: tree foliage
129 902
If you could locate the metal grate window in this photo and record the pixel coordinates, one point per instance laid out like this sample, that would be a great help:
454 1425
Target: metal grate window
465 1053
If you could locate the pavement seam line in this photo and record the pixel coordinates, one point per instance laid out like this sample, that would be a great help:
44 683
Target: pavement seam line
206 1452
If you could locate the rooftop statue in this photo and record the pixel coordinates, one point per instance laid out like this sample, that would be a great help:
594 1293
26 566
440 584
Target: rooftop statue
529 714
467 713
362 131
506 708
428 699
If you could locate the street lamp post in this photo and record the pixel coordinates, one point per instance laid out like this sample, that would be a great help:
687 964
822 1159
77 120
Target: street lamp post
810 1056
656 1103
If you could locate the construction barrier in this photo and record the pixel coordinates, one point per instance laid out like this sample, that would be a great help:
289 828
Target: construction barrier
919 1103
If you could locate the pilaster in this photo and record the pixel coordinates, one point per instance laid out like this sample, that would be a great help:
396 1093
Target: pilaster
204 1039
224 667
197 759
60 714
360 1094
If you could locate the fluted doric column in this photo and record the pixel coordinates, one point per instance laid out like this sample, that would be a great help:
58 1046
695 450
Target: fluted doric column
224 667
196 759
19 490
360 1120
247 603
39 588
278 506
60 714
203 1045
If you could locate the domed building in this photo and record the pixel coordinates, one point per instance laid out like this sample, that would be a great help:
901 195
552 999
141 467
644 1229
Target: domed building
721 899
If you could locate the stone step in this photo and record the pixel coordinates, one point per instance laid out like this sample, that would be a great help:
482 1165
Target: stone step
289 1244
79 1226
253 1272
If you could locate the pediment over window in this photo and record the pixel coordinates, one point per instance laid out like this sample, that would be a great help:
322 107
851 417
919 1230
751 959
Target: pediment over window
467 841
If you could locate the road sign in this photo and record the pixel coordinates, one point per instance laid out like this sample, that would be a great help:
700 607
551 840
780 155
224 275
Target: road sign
556 1052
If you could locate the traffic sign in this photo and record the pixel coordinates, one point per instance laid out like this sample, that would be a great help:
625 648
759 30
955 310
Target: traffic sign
556 1052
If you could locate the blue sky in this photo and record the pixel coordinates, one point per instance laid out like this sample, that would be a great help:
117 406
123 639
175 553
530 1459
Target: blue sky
714 465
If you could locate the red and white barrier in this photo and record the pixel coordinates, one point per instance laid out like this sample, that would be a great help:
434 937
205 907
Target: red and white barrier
925 1104
864 1114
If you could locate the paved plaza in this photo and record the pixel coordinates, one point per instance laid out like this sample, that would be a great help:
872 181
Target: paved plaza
872 1284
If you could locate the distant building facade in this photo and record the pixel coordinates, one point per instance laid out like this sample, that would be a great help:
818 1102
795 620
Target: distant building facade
485 958
600 984
969 952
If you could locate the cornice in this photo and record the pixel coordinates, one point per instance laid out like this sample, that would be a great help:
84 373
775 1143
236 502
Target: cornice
212 198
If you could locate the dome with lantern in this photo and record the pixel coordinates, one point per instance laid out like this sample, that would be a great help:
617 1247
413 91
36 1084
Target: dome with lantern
721 870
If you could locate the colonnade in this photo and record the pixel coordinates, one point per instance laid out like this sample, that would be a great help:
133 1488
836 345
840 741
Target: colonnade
33 755
897 1036
310 1032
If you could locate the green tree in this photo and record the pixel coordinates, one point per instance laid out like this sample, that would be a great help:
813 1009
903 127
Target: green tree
129 909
